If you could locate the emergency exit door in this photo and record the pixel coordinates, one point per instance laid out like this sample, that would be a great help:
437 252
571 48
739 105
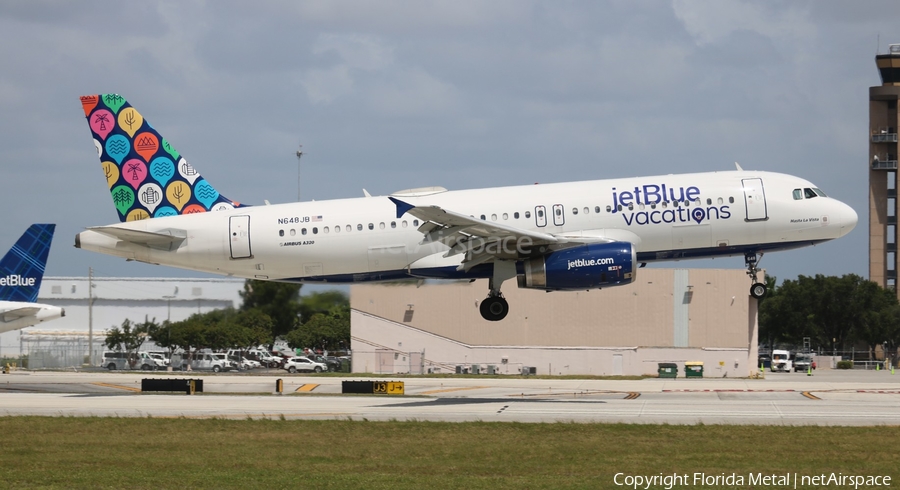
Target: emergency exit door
239 234
755 199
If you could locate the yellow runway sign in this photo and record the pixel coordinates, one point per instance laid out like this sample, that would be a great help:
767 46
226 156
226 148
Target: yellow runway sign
389 387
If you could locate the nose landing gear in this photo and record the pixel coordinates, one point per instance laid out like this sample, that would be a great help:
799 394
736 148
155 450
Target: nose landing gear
758 289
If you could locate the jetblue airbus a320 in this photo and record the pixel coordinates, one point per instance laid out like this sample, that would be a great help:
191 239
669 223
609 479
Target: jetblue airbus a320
555 237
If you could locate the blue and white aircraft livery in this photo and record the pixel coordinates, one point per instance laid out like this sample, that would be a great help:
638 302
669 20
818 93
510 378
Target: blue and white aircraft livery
555 237
21 271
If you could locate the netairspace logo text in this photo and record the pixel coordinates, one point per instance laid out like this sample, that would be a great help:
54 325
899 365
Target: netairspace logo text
773 480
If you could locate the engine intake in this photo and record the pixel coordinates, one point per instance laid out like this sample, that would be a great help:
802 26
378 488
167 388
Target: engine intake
585 267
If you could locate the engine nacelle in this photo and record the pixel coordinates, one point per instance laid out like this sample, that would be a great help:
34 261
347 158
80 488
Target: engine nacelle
578 268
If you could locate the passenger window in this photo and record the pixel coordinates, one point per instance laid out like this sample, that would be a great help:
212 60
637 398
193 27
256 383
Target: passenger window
303 231
720 201
494 217
653 206
558 212
403 224
731 200
708 201
597 209
574 210
608 209
527 214
631 207
798 194
315 231
619 207
359 227
540 213
393 224
325 230
337 229
415 222
587 210
516 215
381 225
505 216
349 228
371 226
293 232
483 218
808 193
280 232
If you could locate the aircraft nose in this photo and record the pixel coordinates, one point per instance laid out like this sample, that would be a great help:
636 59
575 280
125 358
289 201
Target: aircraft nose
846 218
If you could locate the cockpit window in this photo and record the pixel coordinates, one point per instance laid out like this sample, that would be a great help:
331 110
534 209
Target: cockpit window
819 192
809 193
798 194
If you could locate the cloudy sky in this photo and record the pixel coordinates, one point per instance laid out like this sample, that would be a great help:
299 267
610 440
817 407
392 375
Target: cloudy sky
396 94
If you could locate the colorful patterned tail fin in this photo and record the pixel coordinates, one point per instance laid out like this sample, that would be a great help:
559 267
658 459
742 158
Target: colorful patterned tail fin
146 176
22 268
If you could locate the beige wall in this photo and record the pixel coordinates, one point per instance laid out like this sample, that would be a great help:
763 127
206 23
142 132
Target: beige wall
579 332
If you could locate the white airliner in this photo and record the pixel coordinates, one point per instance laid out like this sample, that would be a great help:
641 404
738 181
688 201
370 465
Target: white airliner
555 237
21 271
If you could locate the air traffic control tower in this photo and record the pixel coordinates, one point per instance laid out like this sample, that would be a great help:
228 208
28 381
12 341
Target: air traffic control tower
883 150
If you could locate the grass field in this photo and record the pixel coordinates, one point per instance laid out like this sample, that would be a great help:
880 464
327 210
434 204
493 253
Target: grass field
152 453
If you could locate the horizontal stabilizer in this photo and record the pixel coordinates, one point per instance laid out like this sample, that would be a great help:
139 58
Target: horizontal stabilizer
13 315
166 239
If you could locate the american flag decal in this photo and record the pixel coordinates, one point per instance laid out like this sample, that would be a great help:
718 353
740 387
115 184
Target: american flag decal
317 218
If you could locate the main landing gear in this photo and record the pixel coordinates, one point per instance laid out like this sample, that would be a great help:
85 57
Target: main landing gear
495 308
758 289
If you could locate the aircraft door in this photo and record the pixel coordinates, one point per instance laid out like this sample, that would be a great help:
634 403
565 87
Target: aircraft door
559 215
239 235
755 199
540 215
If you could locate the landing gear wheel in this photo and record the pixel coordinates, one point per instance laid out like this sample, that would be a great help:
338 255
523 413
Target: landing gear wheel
494 308
758 290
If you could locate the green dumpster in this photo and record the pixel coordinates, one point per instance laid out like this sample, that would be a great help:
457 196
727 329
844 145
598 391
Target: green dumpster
667 370
693 369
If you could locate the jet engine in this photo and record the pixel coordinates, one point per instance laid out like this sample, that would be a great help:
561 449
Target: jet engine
578 268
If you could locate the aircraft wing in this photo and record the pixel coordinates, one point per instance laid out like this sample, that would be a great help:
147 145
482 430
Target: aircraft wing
16 313
167 239
482 241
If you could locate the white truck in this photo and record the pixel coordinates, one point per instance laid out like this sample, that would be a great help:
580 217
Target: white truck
781 361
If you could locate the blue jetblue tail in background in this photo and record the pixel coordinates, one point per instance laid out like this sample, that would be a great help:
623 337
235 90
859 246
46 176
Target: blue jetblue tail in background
22 268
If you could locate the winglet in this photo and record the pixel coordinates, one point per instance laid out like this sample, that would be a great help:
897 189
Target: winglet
738 166
402 207
22 269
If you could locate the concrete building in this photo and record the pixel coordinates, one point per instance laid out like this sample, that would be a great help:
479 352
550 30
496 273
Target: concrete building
114 300
883 150
667 315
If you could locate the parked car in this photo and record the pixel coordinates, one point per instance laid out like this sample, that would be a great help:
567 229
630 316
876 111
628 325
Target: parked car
249 363
160 357
294 364
148 362
803 362
333 363
210 362
115 360
781 361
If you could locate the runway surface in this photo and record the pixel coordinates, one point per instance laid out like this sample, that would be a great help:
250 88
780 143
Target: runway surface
826 398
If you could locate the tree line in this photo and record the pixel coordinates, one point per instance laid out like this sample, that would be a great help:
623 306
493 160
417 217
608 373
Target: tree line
269 310
836 313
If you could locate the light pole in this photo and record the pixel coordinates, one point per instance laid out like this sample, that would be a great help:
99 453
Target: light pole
169 298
